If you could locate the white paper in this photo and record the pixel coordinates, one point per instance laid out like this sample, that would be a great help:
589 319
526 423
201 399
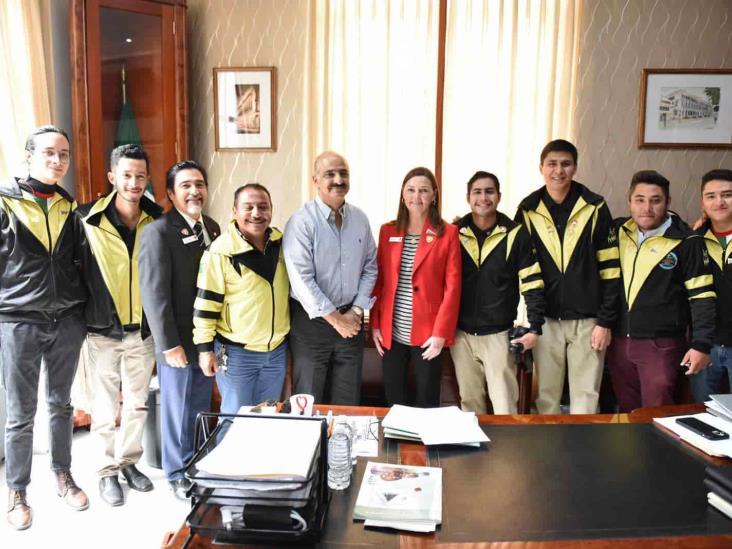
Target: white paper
425 526
365 435
446 425
720 448
264 448
720 504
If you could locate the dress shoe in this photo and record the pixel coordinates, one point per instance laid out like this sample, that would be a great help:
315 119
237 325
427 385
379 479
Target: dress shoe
135 479
67 489
20 515
111 491
180 488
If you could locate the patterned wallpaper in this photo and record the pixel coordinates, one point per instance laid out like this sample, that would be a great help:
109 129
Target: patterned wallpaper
619 39
248 33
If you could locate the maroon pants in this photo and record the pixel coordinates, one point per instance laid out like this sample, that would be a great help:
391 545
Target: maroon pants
644 371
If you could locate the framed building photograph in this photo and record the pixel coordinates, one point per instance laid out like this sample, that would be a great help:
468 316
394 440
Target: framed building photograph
245 109
686 108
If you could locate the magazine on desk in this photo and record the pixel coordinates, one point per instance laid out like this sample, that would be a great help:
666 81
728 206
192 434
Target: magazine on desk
400 496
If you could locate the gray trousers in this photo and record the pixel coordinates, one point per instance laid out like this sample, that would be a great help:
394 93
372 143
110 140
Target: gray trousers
22 347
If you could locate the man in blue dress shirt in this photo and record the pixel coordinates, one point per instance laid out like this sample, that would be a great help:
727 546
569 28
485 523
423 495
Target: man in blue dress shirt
331 261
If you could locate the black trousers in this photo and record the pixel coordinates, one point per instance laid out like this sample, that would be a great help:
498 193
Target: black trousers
324 364
427 374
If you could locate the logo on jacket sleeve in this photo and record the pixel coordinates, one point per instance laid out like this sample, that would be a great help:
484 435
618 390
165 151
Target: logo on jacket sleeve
669 262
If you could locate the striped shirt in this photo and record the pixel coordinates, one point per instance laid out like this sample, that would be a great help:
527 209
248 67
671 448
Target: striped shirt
402 324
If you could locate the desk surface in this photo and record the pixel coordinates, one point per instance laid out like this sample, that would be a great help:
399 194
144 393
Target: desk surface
530 495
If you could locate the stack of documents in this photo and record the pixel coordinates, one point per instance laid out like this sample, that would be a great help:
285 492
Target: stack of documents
718 448
264 449
403 497
719 483
720 406
448 425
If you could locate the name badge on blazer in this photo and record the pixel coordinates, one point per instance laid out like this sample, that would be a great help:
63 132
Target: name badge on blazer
395 239
189 239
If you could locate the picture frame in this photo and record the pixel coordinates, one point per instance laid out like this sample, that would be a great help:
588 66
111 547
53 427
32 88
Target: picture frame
245 108
686 108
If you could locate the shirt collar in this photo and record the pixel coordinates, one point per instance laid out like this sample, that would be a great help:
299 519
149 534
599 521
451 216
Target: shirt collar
188 219
327 211
655 232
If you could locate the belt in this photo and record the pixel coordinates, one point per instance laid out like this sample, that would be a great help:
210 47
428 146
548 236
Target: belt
344 308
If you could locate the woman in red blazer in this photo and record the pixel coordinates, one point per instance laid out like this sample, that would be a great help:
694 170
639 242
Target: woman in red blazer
417 291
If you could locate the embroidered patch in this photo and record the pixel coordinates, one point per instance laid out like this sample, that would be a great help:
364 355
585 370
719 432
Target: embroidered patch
669 262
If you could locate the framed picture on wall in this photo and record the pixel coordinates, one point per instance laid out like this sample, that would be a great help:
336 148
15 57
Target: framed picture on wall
245 109
686 108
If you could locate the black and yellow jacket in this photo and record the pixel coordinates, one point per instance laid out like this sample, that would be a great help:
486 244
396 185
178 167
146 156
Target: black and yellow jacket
580 268
39 278
721 266
493 276
667 283
243 294
112 278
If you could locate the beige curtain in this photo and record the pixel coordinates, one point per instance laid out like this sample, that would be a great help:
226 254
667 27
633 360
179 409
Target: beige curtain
510 79
371 94
24 98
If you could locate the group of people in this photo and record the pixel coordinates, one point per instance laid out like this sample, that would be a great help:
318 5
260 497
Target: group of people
143 288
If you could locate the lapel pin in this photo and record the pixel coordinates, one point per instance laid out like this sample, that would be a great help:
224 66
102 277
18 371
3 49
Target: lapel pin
185 232
430 239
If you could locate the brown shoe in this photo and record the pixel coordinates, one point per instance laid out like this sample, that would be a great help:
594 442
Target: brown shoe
67 489
20 515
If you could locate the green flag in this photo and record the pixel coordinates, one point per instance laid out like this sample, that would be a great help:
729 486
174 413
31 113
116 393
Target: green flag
127 131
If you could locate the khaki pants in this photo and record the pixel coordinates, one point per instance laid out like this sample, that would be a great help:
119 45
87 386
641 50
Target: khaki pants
566 346
481 360
127 363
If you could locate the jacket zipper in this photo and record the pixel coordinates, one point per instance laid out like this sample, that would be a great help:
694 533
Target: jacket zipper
632 276
50 253
477 292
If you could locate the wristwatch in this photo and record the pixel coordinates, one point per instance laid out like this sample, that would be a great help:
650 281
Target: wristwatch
358 310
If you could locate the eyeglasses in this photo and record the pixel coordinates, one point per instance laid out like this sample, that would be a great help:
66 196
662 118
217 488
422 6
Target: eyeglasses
63 156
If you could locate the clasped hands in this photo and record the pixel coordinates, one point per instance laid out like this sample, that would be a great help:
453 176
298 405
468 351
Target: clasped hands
347 324
432 347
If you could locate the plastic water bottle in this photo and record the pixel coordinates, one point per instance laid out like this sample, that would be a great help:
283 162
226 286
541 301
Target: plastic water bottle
339 455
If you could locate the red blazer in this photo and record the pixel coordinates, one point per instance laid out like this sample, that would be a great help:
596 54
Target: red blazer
436 281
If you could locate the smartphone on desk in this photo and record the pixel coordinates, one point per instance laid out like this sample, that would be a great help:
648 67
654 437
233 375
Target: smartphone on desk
703 429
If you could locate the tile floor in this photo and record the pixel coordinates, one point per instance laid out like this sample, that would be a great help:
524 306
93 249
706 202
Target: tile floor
140 523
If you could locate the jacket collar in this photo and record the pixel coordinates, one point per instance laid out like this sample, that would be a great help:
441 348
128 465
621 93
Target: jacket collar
502 220
11 187
532 201
677 231
97 208
240 245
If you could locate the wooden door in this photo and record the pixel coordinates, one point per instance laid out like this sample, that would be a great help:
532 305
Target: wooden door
128 68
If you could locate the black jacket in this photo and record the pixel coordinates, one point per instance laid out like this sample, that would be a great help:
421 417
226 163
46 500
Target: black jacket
110 274
667 284
39 278
580 268
721 266
169 263
494 275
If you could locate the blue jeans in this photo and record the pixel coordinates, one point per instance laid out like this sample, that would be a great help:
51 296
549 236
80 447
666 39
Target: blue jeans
710 381
250 377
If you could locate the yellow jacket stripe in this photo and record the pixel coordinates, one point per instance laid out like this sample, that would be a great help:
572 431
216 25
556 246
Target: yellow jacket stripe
235 302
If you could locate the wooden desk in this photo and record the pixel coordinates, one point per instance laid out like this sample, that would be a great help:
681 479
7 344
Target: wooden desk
417 454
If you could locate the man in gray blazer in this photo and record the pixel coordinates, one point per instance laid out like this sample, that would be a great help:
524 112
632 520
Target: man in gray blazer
171 249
